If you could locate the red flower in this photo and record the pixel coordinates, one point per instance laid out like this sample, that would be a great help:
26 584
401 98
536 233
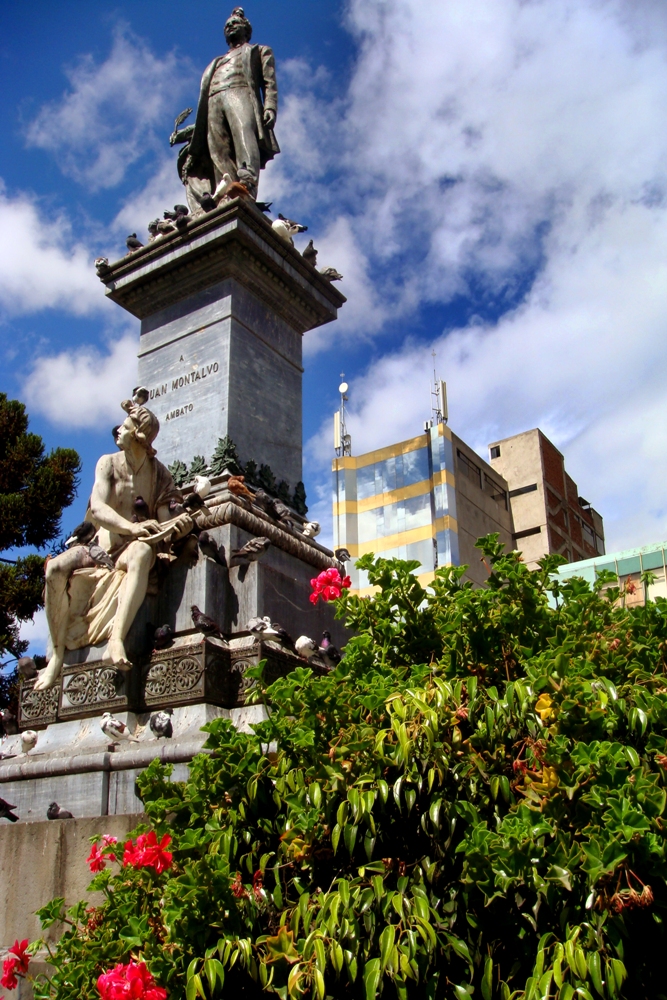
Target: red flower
129 982
9 980
258 886
238 888
328 585
95 859
148 853
18 951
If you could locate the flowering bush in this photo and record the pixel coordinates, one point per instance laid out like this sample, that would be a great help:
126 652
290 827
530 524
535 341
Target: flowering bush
328 585
16 964
148 853
472 804
129 982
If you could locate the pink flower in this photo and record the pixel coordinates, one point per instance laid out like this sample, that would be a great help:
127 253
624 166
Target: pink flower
328 585
147 853
129 982
96 858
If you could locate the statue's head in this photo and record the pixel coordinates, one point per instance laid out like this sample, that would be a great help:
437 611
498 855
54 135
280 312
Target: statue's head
237 28
140 425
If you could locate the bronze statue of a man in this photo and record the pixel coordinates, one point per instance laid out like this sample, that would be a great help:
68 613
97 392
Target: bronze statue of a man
86 603
233 130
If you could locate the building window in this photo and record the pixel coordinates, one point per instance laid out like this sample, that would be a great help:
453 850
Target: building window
469 469
589 534
495 451
497 492
528 531
523 489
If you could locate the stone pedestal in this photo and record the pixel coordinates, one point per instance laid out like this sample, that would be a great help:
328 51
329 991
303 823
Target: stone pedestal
223 308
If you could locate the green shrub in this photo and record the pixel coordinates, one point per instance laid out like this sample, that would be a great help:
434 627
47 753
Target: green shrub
471 804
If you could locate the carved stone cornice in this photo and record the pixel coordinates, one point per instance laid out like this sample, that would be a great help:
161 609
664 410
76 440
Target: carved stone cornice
232 512
233 241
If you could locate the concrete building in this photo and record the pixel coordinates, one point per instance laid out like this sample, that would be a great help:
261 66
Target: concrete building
628 565
547 512
429 498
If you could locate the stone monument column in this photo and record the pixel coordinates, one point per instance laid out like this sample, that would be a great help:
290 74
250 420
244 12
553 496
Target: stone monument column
223 308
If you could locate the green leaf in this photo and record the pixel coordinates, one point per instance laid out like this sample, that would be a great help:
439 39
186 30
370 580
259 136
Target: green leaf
371 978
486 984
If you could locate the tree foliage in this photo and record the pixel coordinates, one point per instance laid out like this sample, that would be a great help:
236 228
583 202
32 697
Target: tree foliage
472 803
34 489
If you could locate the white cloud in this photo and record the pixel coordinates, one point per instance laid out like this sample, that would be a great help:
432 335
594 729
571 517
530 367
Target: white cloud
106 121
83 387
163 190
42 264
496 137
36 632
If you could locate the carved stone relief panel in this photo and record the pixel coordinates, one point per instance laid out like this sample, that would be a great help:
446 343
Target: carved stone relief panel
37 708
90 690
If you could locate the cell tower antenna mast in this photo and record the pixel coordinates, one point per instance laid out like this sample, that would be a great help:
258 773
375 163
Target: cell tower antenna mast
438 391
342 440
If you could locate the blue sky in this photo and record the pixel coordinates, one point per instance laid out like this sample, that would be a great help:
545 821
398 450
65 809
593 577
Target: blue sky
489 175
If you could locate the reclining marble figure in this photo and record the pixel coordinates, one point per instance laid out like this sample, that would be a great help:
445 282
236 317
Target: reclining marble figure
87 604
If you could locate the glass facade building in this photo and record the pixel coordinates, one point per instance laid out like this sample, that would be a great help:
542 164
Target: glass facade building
399 501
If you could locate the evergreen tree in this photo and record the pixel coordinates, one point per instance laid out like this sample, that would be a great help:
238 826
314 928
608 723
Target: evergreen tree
299 499
266 479
224 457
34 489
179 472
251 474
282 492
198 467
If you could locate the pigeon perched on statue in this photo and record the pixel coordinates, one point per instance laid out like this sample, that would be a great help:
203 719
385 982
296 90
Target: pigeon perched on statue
270 630
27 667
82 534
153 230
250 552
140 395
210 548
141 509
264 206
342 555
266 503
176 508
115 729
8 722
132 243
202 486
287 228
310 254
203 623
237 486
306 647
311 529
102 265
180 216
160 723
331 274
206 201
328 651
223 187
163 637
28 740
100 556
6 811
55 812
191 503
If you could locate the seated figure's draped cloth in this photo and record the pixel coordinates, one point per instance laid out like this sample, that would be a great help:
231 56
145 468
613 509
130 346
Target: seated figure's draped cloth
95 593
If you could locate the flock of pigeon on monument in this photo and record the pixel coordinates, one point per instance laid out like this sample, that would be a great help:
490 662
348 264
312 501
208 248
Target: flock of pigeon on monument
226 191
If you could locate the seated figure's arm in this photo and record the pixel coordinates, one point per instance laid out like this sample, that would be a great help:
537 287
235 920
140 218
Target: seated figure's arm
100 501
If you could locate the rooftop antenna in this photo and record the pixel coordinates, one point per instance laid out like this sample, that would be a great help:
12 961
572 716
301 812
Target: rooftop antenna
342 440
438 390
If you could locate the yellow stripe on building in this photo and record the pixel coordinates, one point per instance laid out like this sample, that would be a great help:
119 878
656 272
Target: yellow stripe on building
401 538
392 496
371 457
